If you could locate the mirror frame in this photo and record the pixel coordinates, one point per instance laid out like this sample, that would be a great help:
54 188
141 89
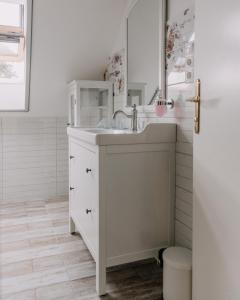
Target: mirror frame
161 63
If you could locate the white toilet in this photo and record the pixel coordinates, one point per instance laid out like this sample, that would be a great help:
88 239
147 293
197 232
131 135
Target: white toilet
177 274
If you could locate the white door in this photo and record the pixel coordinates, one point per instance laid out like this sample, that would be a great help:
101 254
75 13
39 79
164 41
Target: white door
216 233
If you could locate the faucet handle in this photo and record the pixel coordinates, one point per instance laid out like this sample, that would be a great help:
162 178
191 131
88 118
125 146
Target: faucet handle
134 118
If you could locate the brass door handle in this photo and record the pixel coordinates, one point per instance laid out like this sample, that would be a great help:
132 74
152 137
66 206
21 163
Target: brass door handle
197 101
194 99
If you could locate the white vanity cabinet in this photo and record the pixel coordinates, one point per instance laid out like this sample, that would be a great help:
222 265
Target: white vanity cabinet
121 195
84 192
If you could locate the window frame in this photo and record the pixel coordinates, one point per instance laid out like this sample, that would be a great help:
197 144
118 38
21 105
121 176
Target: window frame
27 27
14 34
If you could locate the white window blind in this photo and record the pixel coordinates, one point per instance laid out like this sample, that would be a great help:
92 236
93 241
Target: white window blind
15 35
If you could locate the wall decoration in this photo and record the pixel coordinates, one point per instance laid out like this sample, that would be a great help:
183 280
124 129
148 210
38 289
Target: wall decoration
180 48
115 72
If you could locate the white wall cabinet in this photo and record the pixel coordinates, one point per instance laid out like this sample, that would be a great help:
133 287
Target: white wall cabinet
122 200
89 102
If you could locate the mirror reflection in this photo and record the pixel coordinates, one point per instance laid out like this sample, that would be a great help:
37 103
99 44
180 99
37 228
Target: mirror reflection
145 52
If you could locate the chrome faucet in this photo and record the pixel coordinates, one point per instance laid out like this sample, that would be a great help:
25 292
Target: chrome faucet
133 116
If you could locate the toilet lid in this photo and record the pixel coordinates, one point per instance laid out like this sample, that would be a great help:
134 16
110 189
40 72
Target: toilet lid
178 258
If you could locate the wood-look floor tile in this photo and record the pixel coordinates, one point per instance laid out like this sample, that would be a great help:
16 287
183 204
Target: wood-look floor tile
12 210
81 270
122 283
11 205
16 269
35 204
12 201
30 253
9 220
60 222
13 216
76 257
58 215
57 199
53 205
147 291
66 238
55 291
122 279
41 260
38 225
46 263
13 229
43 241
25 295
42 251
84 287
36 212
64 229
58 209
13 246
29 234
32 281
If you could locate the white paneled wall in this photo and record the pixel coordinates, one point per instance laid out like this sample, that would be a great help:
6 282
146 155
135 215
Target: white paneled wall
184 164
182 115
33 158
62 158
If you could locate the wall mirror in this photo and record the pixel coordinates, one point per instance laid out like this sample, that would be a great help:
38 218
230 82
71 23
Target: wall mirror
145 52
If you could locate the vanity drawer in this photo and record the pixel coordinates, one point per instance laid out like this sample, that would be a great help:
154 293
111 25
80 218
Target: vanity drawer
85 214
84 192
83 167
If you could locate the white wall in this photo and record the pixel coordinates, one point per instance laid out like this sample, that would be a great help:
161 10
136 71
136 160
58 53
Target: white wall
71 39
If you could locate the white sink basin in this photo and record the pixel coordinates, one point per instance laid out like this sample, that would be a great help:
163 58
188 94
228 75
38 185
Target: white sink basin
153 134
107 131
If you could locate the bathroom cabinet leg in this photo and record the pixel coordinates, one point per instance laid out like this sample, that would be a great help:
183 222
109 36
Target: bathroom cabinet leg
71 225
100 278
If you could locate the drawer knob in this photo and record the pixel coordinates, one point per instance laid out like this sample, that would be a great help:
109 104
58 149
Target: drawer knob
88 211
88 170
71 157
71 188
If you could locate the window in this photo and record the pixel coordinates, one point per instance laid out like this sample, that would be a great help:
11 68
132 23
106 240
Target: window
15 42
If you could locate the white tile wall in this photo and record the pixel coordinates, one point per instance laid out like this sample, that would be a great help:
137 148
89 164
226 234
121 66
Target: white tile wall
62 158
182 115
33 158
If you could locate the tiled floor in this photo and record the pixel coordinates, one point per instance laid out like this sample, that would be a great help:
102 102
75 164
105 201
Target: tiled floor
39 260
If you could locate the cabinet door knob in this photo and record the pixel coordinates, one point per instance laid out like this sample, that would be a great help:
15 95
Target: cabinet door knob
88 211
71 188
71 157
88 170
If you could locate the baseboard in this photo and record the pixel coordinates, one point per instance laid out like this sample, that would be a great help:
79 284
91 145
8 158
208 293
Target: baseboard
135 256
